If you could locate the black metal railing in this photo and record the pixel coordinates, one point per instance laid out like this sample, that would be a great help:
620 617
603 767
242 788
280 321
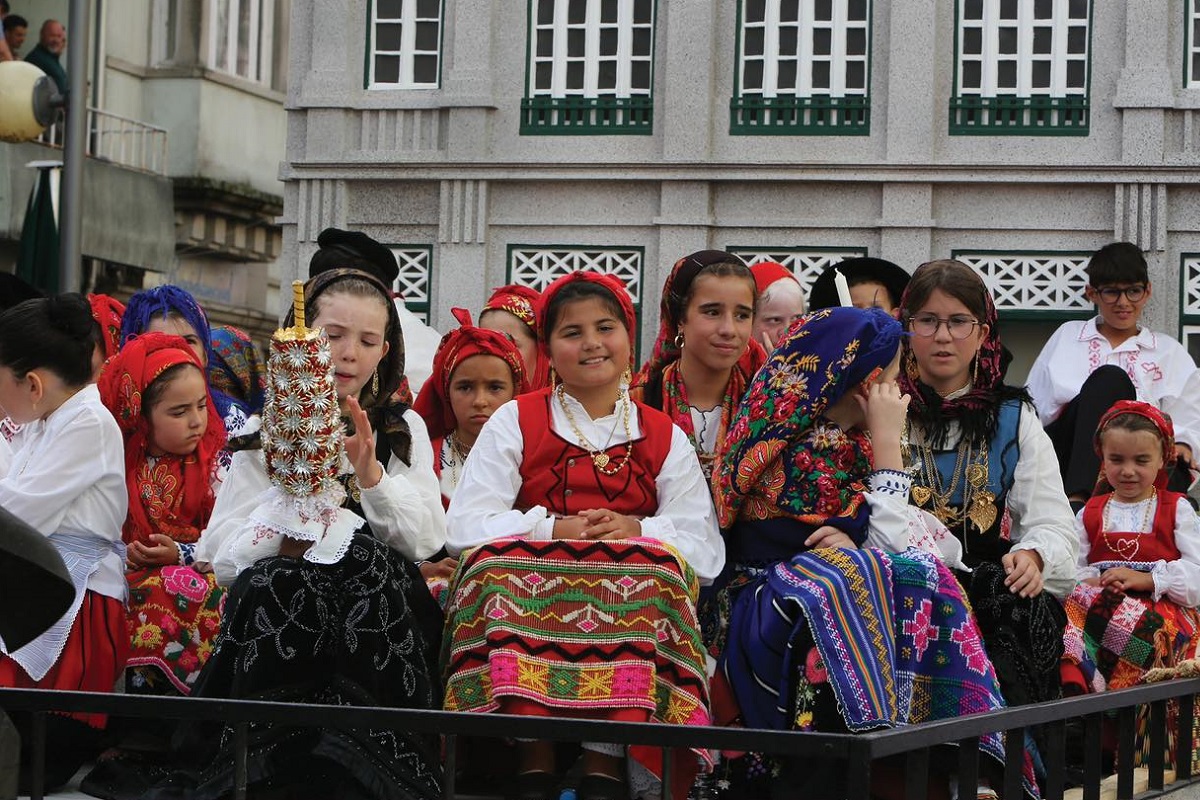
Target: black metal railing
857 752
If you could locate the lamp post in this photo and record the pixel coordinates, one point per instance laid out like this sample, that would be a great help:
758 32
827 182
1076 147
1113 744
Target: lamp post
71 217
28 105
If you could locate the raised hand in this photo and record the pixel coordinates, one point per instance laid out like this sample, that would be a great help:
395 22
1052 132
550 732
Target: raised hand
360 448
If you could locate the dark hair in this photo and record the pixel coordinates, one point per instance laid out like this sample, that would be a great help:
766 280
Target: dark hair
577 291
53 333
721 269
953 278
4 6
355 287
14 21
1119 262
153 393
1134 423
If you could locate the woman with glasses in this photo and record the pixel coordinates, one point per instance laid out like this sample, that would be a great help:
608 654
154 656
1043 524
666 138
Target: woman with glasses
1088 365
982 464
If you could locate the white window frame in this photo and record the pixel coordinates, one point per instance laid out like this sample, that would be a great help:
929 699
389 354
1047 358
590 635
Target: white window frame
1060 22
592 27
806 263
408 51
805 26
1050 283
1192 20
413 280
259 44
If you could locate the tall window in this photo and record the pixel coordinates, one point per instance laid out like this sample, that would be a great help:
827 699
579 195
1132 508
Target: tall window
591 67
241 35
405 44
412 283
1191 50
1022 67
803 67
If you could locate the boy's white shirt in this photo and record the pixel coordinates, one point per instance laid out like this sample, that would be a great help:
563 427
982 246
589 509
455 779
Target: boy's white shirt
1162 371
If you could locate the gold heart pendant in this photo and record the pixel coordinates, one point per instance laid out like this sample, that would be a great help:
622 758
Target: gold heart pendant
600 460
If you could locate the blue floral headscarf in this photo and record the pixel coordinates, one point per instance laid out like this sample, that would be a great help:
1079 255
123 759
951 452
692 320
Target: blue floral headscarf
772 469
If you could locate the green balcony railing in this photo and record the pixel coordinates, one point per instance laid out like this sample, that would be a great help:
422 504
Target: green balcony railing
820 115
973 115
571 116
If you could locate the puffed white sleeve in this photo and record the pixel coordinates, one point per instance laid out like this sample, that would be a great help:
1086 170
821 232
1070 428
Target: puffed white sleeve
1179 580
1040 382
686 519
1083 570
482 507
1180 401
1041 515
404 509
241 493
896 525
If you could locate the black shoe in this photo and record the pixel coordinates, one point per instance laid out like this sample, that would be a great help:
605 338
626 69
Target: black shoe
536 785
124 776
602 787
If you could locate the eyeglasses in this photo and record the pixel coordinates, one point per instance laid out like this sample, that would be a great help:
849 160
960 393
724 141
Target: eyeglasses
959 326
1111 294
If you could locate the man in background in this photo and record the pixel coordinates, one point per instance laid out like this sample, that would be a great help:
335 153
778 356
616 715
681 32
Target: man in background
51 42
15 27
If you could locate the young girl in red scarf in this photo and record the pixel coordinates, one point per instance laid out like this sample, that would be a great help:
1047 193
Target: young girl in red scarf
703 357
475 371
589 526
156 390
1139 560
510 310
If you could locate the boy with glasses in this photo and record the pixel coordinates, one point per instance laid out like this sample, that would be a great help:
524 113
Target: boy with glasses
1086 366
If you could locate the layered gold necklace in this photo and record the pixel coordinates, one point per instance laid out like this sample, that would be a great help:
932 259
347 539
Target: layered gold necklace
598 456
978 501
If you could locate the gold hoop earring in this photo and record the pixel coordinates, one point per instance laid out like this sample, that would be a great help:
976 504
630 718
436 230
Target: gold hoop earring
375 383
679 341
627 377
975 372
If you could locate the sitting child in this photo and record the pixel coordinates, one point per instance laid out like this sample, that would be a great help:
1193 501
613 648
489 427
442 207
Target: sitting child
66 479
1086 366
1139 560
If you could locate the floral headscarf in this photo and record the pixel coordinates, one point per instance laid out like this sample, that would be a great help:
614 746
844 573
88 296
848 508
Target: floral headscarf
237 369
978 410
675 289
159 302
1166 435
614 287
521 302
433 403
385 409
107 312
770 470
170 494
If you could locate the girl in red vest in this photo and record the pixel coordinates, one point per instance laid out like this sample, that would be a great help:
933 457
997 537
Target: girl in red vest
1139 560
592 529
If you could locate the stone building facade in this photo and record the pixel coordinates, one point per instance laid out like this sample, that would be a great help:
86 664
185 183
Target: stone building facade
494 141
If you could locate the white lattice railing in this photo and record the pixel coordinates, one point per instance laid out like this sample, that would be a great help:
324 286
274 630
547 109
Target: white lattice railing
118 139
1191 286
1052 282
805 264
412 284
538 267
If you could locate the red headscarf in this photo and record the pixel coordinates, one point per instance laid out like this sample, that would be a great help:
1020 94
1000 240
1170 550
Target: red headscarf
767 272
1166 435
433 403
174 495
108 313
612 284
521 302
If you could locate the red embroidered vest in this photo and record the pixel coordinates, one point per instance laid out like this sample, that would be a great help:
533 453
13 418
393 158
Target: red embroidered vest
561 476
1127 546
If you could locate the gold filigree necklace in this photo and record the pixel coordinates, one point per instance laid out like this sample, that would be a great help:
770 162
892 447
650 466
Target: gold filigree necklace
598 456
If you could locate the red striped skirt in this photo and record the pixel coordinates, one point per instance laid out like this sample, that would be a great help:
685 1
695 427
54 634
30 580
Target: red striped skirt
91 660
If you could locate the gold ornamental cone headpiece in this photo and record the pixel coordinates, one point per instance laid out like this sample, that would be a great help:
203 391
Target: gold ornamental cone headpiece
298 331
